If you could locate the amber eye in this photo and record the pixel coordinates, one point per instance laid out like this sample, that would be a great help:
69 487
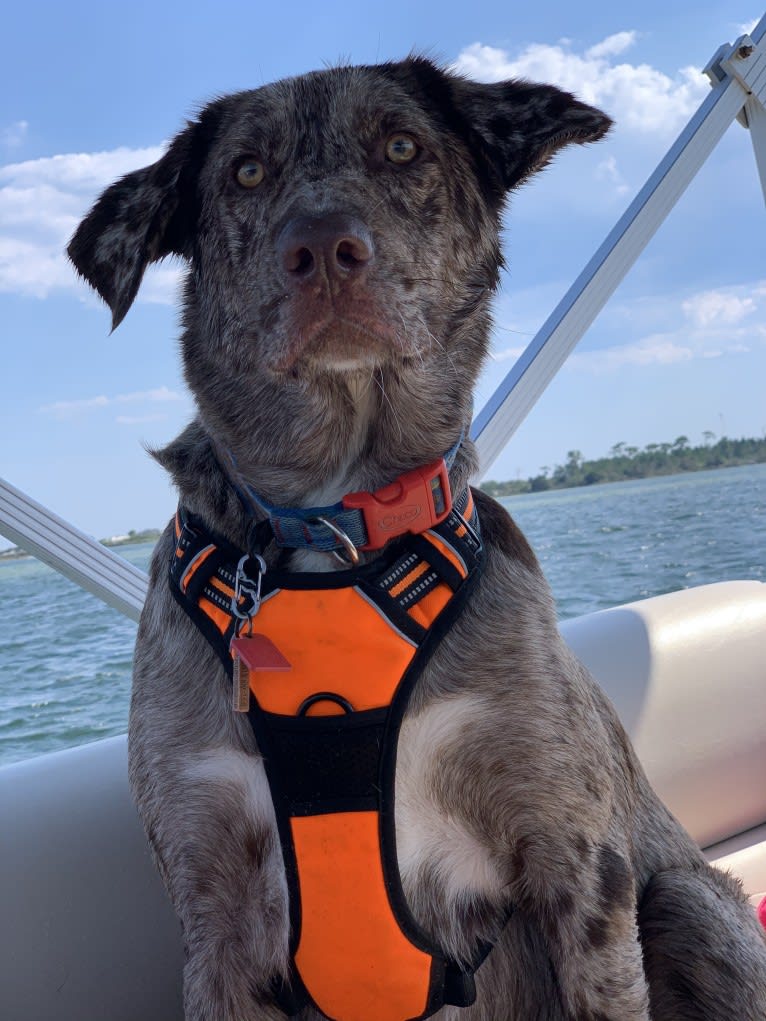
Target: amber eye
401 148
250 172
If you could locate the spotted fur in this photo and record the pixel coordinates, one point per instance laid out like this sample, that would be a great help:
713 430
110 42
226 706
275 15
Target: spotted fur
517 787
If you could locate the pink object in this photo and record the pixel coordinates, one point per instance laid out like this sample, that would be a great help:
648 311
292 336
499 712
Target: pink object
258 652
762 912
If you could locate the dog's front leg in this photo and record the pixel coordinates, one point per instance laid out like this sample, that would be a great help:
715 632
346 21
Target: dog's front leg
218 853
202 794
229 890
583 900
216 846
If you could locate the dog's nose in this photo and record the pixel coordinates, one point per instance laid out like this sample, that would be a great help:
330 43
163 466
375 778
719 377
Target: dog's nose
335 242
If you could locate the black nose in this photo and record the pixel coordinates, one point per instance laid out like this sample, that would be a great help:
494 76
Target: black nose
335 243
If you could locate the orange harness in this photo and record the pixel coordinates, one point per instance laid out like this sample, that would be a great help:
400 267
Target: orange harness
356 641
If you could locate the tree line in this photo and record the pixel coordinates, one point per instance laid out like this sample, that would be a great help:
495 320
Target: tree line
626 462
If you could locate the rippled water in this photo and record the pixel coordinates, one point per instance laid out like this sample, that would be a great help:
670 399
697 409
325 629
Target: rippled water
65 658
603 545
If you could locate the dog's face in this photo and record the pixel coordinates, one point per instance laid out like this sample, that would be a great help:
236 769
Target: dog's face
333 216
344 223
345 219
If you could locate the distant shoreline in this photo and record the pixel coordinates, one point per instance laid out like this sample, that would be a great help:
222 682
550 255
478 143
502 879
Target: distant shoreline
626 463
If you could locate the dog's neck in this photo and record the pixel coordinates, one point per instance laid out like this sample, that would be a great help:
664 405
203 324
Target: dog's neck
342 433
364 403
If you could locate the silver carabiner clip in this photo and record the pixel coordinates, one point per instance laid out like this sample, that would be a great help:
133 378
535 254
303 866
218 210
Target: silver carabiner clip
249 587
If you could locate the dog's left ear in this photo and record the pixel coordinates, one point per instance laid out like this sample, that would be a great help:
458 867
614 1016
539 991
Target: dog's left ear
143 217
517 125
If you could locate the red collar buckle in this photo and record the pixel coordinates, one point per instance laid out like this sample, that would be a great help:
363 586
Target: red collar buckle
414 502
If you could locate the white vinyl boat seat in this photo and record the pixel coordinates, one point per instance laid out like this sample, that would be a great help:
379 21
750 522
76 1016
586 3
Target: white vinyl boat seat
687 674
87 933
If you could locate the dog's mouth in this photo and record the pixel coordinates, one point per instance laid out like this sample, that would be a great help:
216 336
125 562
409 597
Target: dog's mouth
351 336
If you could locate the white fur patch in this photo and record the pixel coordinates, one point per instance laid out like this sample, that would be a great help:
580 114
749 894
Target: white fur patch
314 561
228 768
425 836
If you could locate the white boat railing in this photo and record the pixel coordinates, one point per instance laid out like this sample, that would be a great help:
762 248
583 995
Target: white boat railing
70 552
738 75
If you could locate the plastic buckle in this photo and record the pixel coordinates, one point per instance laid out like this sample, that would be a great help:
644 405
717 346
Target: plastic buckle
414 502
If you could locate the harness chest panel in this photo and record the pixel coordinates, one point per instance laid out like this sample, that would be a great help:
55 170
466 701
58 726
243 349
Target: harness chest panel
335 641
356 641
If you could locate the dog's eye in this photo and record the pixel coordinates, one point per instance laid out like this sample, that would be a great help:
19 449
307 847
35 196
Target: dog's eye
401 148
249 172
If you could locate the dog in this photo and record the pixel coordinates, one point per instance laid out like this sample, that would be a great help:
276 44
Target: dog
341 231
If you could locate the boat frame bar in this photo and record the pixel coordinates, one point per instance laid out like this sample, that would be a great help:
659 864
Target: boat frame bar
69 551
738 75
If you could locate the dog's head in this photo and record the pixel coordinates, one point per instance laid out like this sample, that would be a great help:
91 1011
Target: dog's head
342 221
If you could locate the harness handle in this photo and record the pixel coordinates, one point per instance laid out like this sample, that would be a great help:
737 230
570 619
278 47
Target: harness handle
324 696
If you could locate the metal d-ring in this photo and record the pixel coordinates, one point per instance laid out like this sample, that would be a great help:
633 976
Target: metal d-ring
350 548
324 696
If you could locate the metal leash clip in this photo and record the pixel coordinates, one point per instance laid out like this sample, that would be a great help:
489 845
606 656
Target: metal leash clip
247 587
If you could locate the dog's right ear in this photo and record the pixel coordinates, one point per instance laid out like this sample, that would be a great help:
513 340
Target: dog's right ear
143 217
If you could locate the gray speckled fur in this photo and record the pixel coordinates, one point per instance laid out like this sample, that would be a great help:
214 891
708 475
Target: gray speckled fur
342 387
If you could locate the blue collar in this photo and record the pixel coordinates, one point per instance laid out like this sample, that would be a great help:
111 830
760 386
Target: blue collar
413 502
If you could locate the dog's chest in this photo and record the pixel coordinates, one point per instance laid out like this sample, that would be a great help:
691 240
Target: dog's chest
444 864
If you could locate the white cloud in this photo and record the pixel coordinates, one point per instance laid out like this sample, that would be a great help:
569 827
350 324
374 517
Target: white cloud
14 135
654 350
506 354
747 27
718 308
733 349
612 45
67 409
41 203
161 393
82 173
161 283
639 96
709 324
607 170
32 268
139 419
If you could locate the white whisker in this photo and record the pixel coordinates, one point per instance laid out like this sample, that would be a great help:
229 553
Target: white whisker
381 387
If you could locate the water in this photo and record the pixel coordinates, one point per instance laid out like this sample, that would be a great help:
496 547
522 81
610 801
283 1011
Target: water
65 658
604 545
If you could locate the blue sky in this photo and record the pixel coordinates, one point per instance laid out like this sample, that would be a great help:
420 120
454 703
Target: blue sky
89 91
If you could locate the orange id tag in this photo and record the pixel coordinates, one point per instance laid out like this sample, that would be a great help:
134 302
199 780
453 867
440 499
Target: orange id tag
254 652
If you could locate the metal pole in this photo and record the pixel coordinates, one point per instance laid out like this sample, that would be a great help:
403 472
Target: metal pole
70 552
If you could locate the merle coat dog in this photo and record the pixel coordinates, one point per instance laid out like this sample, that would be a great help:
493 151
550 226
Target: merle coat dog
341 234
